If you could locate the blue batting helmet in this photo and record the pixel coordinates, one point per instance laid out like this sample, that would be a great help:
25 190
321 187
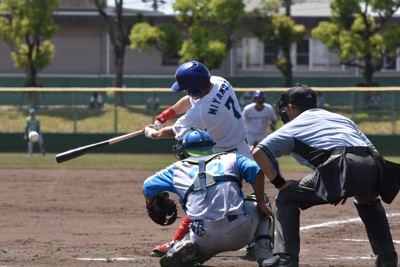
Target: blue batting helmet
195 143
192 76
32 110
258 93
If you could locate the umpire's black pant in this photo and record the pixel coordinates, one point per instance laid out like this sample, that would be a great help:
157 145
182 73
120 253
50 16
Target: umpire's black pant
347 173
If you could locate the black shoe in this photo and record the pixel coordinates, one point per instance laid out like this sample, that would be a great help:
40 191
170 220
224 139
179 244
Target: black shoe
389 260
288 260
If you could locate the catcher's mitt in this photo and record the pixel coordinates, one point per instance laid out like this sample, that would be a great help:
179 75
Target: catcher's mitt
163 210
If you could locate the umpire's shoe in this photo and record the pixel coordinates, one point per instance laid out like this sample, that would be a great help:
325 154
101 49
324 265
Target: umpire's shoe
181 254
387 260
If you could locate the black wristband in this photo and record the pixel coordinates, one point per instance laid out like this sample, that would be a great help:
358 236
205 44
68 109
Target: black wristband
278 181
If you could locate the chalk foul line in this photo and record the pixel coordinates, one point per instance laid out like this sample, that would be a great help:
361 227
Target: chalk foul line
334 223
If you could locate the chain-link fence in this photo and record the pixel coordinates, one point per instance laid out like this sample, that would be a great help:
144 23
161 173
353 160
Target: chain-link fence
69 110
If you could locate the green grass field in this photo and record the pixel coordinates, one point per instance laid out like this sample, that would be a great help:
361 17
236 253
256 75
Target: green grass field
116 162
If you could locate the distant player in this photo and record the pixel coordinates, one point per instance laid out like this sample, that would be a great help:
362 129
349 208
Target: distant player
259 117
32 123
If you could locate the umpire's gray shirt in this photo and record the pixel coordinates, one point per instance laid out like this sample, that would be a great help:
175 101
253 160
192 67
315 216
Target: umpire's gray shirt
312 135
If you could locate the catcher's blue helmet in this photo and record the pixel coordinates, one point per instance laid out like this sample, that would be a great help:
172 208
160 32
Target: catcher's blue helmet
192 76
258 93
195 143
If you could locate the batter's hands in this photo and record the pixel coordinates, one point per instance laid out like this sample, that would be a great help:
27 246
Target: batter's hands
148 131
158 125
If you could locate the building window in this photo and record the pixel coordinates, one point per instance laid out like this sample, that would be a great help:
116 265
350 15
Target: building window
390 63
321 58
269 55
252 50
302 52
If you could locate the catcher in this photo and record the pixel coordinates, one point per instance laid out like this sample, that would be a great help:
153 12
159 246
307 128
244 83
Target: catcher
208 185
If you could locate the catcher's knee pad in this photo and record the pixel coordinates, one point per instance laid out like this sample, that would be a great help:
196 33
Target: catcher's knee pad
252 197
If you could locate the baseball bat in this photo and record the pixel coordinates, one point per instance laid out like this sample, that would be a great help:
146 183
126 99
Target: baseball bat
74 153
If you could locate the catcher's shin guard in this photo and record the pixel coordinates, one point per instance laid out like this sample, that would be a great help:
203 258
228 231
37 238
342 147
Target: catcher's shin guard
271 229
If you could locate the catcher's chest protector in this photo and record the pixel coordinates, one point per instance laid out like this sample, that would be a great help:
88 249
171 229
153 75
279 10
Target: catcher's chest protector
204 179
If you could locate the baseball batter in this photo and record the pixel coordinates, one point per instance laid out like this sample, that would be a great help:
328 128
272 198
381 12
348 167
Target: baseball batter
208 185
258 118
212 105
345 164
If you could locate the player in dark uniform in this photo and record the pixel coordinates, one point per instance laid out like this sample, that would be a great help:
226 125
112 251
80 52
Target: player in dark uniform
345 163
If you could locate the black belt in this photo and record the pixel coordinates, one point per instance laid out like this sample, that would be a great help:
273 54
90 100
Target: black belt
356 150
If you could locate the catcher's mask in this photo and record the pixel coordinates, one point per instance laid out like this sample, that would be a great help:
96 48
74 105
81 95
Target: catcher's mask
192 76
302 96
194 143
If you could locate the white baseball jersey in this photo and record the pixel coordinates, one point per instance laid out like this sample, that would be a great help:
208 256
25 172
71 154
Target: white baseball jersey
258 121
219 113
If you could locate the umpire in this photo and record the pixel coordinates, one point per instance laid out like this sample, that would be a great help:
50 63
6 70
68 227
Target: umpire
345 164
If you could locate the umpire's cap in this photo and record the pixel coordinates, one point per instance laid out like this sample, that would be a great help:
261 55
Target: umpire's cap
301 96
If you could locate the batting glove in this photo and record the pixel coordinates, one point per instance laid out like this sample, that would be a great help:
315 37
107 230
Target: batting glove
148 132
158 125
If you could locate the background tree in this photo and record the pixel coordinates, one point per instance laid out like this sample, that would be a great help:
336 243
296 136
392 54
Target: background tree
118 31
211 25
164 37
279 32
27 27
361 33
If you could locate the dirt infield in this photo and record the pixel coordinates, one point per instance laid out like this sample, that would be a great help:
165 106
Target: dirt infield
97 218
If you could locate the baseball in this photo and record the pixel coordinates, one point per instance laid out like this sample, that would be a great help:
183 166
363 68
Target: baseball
33 136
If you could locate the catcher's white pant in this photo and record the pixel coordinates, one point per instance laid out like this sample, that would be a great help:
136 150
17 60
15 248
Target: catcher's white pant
223 235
